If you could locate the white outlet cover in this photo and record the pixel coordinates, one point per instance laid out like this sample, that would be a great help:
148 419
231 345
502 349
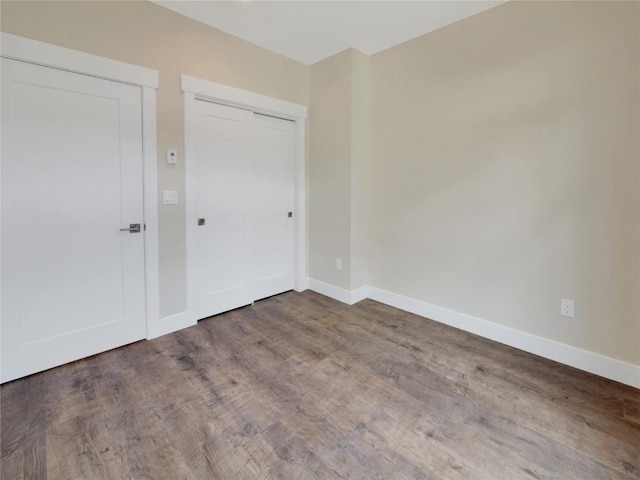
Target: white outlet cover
567 307
172 156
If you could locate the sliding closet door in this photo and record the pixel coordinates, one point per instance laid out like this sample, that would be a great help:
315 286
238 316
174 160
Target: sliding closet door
241 236
221 276
273 205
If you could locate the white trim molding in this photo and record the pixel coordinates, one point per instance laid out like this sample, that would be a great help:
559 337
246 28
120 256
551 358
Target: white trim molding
48 55
235 97
190 198
198 89
359 294
349 297
150 192
606 367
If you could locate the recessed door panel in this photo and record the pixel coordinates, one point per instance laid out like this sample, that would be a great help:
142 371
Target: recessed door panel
72 282
223 149
273 205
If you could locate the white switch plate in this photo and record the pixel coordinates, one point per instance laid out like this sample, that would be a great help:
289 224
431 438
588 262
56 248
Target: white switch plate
567 307
172 157
169 197
338 264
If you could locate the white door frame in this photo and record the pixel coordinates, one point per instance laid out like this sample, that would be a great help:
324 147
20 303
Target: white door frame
197 89
48 55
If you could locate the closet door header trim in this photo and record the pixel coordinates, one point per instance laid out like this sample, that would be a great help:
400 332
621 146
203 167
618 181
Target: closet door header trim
235 97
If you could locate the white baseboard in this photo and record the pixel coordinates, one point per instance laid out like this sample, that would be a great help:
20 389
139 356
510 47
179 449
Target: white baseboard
606 367
345 296
169 324
359 294
301 285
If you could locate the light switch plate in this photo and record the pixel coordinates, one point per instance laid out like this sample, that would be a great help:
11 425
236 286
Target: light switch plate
170 197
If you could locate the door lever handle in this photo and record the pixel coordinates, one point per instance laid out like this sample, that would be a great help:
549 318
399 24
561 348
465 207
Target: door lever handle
133 228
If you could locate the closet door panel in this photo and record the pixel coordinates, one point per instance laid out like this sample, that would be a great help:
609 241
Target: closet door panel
273 201
223 274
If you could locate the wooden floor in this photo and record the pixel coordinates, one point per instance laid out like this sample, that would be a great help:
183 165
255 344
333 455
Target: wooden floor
300 386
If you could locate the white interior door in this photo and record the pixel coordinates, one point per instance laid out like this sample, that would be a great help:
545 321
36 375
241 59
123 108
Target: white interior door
273 203
222 146
72 283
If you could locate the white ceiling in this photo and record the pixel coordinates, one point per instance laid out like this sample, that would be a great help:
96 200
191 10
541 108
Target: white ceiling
310 31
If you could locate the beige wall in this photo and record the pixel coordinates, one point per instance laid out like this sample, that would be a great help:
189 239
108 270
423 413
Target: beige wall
506 170
360 167
146 34
330 169
339 128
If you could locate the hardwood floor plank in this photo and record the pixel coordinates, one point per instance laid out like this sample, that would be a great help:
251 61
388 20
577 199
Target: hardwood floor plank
11 466
300 386
631 411
587 436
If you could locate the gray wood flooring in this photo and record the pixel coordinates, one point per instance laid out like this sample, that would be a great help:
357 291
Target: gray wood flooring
299 386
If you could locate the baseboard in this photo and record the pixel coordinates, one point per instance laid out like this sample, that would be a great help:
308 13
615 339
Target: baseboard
359 294
607 367
169 324
301 285
340 294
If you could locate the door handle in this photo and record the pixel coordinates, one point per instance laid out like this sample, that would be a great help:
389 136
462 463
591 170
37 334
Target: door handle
133 228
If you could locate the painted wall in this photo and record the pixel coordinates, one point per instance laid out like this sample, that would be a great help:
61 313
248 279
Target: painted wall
506 170
330 170
339 129
145 34
360 167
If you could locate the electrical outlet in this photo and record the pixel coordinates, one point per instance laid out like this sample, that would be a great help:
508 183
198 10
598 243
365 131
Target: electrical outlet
172 156
567 307
338 264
